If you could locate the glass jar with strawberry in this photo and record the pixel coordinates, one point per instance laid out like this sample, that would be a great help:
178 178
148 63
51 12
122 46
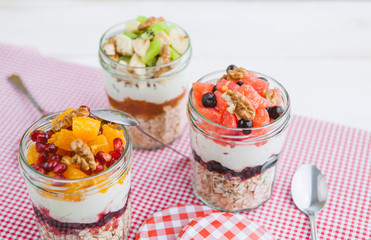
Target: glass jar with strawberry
238 124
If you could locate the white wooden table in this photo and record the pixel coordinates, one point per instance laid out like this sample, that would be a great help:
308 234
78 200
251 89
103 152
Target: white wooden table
321 51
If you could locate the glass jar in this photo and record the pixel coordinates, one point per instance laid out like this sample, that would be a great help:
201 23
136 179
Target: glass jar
96 207
157 102
232 171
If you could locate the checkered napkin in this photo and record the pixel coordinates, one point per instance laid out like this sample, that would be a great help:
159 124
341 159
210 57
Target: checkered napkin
223 226
167 224
161 178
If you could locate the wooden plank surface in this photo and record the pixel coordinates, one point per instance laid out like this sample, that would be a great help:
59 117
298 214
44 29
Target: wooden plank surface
321 51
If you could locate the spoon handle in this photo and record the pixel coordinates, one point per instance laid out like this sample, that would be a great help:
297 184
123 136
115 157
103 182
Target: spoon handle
17 82
312 219
162 143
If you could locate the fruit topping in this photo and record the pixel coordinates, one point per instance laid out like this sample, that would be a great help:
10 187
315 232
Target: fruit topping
236 73
239 83
271 96
146 42
84 146
209 100
231 67
83 155
275 112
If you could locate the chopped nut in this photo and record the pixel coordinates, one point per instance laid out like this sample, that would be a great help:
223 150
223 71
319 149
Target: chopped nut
271 96
239 105
150 21
83 155
163 59
110 47
66 121
236 74
115 57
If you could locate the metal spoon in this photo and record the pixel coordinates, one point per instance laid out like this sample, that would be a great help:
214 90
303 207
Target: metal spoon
309 192
117 116
16 81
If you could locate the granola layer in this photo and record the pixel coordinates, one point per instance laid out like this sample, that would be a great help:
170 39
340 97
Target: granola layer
115 228
232 194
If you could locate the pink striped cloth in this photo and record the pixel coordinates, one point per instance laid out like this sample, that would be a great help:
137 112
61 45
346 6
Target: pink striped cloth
342 154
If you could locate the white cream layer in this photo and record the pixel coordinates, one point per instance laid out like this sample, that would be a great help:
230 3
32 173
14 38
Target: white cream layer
158 92
87 210
237 157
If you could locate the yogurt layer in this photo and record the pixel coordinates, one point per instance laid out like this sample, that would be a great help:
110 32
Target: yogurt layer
158 92
235 157
88 209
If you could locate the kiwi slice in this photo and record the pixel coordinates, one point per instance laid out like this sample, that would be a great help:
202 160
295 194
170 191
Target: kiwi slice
131 35
148 34
152 52
173 53
141 19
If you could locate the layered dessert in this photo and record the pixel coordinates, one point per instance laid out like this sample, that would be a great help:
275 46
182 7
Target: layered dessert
77 170
237 133
144 62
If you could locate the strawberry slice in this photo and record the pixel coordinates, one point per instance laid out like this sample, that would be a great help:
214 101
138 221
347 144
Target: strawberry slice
253 96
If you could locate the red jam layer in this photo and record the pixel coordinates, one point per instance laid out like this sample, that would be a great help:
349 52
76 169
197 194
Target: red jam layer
245 174
66 228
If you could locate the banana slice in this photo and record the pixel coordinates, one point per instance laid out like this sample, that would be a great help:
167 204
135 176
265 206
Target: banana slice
140 46
178 40
123 45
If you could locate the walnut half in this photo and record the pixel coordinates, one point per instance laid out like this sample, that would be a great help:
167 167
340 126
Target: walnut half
271 96
236 74
83 155
239 105
66 121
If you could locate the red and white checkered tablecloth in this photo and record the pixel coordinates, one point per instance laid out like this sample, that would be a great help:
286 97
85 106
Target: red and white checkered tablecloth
161 178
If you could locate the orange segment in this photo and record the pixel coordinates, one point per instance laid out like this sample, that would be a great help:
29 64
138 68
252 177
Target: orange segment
73 172
85 128
32 155
112 133
63 139
99 144
61 115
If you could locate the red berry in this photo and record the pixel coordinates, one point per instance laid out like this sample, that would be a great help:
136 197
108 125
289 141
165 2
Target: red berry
117 144
45 166
59 168
110 163
34 134
99 168
115 155
43 157
103 157
42 171
56 158
60 176
89 171
35 166
49 134
41 138
83 106
51 165
40 147
51 148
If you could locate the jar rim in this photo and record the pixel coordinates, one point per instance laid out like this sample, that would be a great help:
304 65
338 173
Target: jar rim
280 119
23 158
106 33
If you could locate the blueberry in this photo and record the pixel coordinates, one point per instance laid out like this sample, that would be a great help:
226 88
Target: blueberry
264 79
231 67
214 88
275 112
242 123
239 83
209 100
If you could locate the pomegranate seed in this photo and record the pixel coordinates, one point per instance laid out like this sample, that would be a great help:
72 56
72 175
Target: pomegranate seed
110 163
42 170
40 147
60 176
58 184
89 171
103 157
49 134
99 168
72 154
35 166
41 138
34 134
83 106
117 144
43 157
59 168
51 148
56 158
52 164
115 155
45 166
